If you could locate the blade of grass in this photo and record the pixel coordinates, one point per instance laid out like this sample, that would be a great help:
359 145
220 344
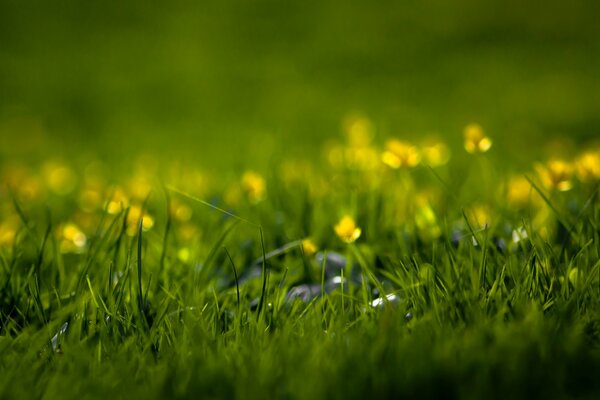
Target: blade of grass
235 275
207 204
263 293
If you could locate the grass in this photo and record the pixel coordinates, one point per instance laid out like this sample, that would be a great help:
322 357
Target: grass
179 217
437 295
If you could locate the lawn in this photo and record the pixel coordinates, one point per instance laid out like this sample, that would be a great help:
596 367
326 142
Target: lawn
299 200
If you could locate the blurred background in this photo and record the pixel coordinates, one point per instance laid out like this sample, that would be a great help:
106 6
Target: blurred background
221 82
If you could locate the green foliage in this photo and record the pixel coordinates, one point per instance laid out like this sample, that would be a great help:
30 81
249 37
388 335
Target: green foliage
179 217
485 313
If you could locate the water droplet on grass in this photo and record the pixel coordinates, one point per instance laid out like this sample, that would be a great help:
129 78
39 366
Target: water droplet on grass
381 301
55 341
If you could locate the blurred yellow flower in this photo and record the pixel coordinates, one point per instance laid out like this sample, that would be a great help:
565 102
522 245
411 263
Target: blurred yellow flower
73 240
184 254
187 232
7 236
180 212
133 219
309 247
20 179
118 202
357 153
60 178
359 130
31 188
90 199
435 154
556 174
479 216
254 186
8 231
519 192
587 166
347 230
139 187
361 158
475 139
400 154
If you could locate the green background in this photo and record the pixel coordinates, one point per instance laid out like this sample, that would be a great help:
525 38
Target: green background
218 81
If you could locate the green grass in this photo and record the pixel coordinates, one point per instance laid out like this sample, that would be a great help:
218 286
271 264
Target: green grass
474 314
476 278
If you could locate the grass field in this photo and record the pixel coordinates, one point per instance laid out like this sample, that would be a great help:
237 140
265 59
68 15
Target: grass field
220 200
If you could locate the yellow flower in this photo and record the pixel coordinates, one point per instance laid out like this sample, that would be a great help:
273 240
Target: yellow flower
187 232
184 254
361 158
479 216
73 239
347 230
133 219
60 178
8 231
587 166
90 199
357 153
435 154
180 211
556 174
118 202
139 187
27 185
400 154
475 139
520 193
359 130
309 247
254 186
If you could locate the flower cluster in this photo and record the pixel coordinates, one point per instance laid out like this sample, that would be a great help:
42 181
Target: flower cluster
379 182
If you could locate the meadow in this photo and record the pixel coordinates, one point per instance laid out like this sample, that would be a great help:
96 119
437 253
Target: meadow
304 201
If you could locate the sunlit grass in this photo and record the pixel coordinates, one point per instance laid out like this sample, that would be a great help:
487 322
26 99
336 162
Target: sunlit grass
365 273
